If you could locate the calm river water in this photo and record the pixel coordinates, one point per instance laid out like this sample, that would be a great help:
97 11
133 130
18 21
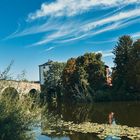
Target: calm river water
126 113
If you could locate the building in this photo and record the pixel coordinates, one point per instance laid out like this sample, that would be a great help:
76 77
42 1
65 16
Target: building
42 70
108 75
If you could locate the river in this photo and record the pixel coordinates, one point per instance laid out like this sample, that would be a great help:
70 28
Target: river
126 113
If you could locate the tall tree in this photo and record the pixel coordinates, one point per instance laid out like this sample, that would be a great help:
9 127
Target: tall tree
53 82
134 67
96 71
68 77
121 60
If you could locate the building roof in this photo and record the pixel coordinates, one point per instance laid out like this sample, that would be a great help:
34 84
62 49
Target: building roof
47 63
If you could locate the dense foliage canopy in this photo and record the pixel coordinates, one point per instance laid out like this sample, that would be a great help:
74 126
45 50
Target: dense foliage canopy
85 78
83 75
126 74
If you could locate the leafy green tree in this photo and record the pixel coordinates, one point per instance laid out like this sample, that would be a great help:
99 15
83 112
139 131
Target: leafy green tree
96 71
121 60
82 83
83 75
68 77
133 78
53 83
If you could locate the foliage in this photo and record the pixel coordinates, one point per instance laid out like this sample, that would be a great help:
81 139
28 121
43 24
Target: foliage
11 93
122 53
17 117
126 75
83 75
133 79
53 83
18 114
68 77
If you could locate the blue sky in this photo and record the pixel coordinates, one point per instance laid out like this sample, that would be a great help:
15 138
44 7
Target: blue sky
33 31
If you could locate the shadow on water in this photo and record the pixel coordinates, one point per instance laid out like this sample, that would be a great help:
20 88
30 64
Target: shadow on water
80 136
126 113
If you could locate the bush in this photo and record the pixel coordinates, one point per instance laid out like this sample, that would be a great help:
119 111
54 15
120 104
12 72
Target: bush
16 118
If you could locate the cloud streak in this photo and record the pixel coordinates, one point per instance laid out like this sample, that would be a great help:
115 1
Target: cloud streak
61 26
118 21
65 33
106 53
49 49
117 17
74 7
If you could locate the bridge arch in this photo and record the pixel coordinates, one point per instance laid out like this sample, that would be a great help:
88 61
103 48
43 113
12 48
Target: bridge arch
10 92
33 92
22 87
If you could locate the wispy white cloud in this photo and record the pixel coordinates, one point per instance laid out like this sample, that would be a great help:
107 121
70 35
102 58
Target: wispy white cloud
66 33
52 24
49 49
37 28
135 35
117 17
103 41
92 33
74 7
62 32
14 33
106 53
58 30
115 22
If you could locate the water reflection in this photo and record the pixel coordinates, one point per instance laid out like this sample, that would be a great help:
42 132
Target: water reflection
126 113
80 136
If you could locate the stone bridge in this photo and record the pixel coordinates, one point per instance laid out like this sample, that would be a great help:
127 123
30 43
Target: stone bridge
20 86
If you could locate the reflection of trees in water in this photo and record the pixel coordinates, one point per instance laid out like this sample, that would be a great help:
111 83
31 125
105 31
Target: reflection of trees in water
80 136
56 122
77 113
125 112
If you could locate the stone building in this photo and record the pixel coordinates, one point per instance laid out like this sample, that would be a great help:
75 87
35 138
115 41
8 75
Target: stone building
42 70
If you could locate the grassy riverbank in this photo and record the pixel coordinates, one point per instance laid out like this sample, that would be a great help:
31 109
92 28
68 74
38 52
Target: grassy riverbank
16 119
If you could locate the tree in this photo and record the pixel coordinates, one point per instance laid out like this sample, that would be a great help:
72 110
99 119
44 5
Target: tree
96 71
83 75
133 78
121 60
68 77
53 83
